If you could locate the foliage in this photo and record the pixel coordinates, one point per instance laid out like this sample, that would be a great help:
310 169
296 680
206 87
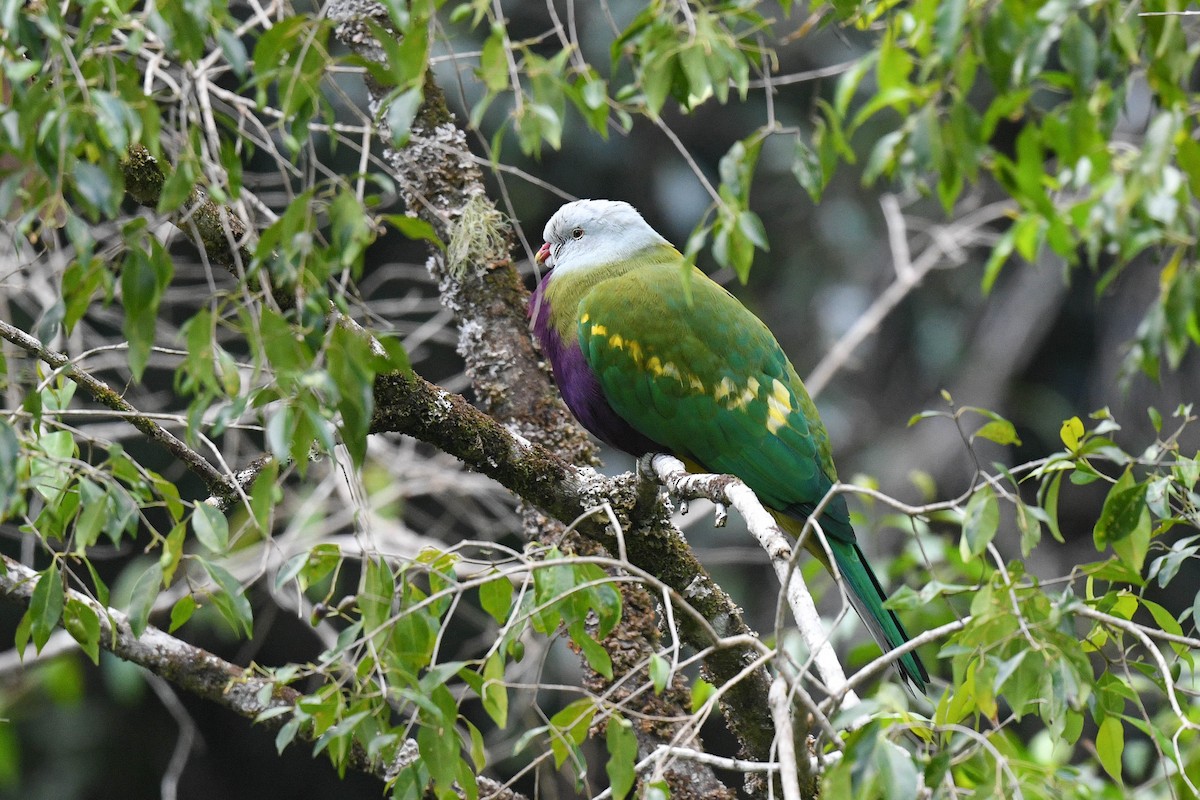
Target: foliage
1081 685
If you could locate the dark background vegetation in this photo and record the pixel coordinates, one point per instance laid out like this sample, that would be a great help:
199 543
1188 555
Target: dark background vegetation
1042 347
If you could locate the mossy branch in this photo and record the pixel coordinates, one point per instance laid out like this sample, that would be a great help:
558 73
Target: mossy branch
411 405
442 184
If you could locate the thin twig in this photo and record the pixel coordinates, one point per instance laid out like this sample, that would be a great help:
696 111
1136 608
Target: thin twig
101 392
781 712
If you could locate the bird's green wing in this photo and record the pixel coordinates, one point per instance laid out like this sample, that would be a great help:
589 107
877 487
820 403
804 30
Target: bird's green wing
695 371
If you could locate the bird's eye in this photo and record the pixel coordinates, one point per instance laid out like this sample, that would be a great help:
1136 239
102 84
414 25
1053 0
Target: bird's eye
577 233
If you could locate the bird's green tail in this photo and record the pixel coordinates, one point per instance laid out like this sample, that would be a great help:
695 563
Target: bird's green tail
867 597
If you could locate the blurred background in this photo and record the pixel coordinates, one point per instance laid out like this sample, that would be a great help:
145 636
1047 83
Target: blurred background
1044 345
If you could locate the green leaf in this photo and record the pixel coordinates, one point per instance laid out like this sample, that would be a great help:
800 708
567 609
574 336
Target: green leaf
46 605
400 114
141 599
265 494
597 657
230 600
660 672
1000 431
172 552
701 691
622 755
948 27
658 72
1078 51
896 771
848 83
10 450
99 588
96 188
1071 433
806 167
980 522
375 599
178 187
999 257
181 612
351 367
415 228
1110 744
93 504
694 64
145 273
1050 505
494 693
321 561
211 527
1124 521
551 584
1029 522
883 156
116 122
83 624
493 62
495 597
569 727
478 747
350 231
287 733
538 123
752 228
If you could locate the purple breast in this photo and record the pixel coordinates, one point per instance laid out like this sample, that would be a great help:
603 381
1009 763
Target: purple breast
578 384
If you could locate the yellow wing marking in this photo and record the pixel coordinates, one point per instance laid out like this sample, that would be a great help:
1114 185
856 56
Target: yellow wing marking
779 406
669 369
635 352
734 398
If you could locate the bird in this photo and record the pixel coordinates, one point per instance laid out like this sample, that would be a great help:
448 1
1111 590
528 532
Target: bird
652 356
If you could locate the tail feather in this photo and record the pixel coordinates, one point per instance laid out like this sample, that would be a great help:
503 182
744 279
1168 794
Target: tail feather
867 597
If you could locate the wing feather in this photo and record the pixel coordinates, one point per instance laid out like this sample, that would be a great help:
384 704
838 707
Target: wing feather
706 380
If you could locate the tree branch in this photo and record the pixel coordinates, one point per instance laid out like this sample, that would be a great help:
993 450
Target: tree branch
909 274
411 405
198 671
102 393
441 183
728 490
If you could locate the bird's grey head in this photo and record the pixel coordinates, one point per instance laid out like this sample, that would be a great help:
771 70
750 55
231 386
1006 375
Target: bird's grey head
595 233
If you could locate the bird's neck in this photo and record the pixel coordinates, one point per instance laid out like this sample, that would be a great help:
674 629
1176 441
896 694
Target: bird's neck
563 289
